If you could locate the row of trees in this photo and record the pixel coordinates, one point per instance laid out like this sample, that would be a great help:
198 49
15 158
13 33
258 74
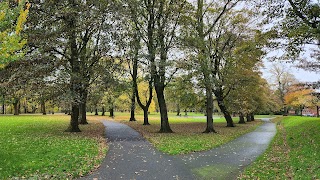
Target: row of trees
99 50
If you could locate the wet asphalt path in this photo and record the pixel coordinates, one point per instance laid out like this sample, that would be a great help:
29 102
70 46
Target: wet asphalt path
130 156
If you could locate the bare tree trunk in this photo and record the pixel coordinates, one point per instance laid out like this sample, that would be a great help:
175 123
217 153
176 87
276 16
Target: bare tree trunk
133 103
96 112
16 106
3 104
252 116
209 110
103 111
248 118
111 110
145 117
178 109
25 106
241 118
43 107
223 108
165 126
317 111
83 108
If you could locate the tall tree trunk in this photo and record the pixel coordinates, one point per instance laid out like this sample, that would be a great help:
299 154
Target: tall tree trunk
145 107
145 116
317 111
25 106
103 111
133 103
135 87
83 113
165 126
43 107
218 93
83 107
248 118
252 116
75 82
241 118
178 109
3 104
96 112
209 110
16 106
111 110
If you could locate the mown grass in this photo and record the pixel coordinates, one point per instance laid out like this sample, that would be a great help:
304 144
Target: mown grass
187 136
36 147
293 154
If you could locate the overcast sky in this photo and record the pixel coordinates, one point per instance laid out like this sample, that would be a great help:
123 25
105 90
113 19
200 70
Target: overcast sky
300 74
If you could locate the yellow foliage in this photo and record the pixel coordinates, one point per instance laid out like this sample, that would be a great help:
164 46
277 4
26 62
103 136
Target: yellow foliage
22 18
299 97
143 88
10 41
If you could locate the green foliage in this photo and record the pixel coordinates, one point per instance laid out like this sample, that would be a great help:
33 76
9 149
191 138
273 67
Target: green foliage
12 21
293 154
34 147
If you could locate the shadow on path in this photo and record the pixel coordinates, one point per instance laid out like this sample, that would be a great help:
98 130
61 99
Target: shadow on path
130 156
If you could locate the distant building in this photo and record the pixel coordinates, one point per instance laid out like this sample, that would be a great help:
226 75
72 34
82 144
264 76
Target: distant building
309 112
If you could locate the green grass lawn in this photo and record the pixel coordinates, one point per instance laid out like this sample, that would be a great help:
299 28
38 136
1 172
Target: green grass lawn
293 154
36 147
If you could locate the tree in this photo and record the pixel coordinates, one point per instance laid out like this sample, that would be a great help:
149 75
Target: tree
59 30
219 33
196 38
299 98
298 27
181 92
13 16
282 80
156 22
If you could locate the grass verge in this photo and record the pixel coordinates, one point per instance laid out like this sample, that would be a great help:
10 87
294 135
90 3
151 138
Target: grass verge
293 154
188 136
36 147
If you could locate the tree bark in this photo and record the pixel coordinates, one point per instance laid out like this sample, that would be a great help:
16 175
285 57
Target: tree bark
103 111
133 103
43 107
96 112
111 112
165 126
16 106
248 118
75 70
252 116
178 109
145 116
209 110
317 111
25 107
83 107
241 118
218 93
3 104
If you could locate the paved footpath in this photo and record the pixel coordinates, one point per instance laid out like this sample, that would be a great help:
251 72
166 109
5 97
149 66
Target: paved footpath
130 156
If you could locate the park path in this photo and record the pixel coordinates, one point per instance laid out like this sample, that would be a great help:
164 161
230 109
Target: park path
130 156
